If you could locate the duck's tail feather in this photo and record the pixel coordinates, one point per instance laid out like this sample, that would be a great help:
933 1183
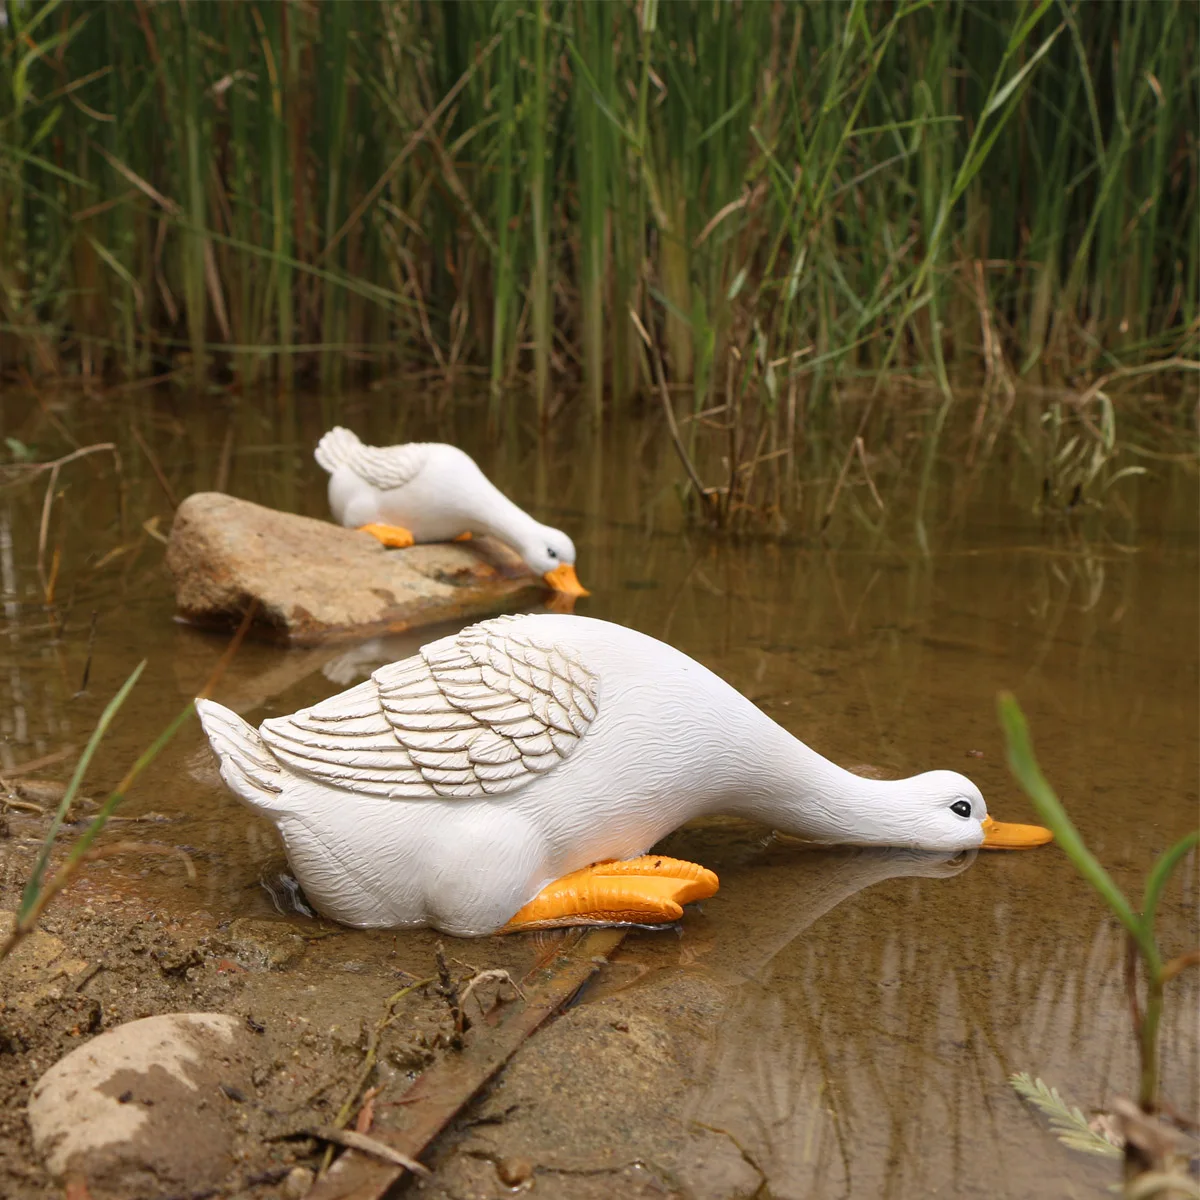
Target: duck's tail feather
338 446
247 765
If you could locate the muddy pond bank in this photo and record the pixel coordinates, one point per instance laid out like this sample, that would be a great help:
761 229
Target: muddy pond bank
831 1024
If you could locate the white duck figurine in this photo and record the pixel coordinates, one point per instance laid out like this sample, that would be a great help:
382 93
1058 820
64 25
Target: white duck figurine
430 492
515 775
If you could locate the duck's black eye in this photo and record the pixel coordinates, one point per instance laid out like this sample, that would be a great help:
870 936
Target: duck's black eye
961 807
551 552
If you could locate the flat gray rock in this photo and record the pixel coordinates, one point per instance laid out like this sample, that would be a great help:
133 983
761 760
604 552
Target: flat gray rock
315 581
140 1109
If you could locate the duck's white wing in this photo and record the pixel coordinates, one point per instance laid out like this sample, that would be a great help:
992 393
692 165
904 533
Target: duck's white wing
383 467
473 715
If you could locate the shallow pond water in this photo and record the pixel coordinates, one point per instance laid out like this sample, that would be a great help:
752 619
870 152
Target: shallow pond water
869 1007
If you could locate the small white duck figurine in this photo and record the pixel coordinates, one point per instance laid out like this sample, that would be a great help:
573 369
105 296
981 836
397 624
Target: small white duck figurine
430 492
516 774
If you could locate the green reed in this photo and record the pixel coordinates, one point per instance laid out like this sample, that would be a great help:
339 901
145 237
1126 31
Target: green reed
1139 922
39 890
785 195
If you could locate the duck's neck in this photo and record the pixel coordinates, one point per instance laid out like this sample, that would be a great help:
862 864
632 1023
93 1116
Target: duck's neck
792 788
502 519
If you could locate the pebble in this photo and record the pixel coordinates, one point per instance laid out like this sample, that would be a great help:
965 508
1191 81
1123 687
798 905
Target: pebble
143 1109
298 1183
514 1171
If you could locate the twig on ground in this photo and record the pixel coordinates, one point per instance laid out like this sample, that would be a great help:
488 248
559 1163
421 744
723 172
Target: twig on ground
367 1145
370 1058
7 802
442 1091
448 989
366 1113
486 977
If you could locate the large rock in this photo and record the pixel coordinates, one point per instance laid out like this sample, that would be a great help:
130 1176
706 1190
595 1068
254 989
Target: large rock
145 1108
314 580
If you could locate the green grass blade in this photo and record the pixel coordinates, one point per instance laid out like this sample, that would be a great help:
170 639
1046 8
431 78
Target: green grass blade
1156 881
116 797
1024 765
33 887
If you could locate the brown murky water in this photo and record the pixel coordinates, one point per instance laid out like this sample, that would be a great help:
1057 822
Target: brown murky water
863 1011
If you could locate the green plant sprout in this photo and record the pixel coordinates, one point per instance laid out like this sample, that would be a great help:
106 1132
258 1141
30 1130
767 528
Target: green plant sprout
1139 924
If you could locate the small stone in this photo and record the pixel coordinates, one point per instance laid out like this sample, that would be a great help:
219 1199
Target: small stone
514 1171
298 1183
139 1110
264 943
313 579
40 791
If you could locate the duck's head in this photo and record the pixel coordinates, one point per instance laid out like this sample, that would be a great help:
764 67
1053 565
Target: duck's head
551 554
943 810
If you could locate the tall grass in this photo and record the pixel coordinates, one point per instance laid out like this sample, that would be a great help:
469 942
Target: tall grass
783 194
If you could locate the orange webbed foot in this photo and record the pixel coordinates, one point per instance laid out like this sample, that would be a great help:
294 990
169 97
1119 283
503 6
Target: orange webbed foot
650 890
395 536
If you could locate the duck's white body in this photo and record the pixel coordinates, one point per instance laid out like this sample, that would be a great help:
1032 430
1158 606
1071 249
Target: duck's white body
449 788
436 492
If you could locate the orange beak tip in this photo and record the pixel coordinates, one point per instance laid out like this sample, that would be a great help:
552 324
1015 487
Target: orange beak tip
563 579
1003 835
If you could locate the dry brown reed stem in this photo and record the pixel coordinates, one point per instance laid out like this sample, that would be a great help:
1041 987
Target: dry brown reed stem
857 448
707 501
87 662
55 563
1176 363
858 433
223 662
1180 963
369 1060
409 146
155 467
47 411
47 503
862 457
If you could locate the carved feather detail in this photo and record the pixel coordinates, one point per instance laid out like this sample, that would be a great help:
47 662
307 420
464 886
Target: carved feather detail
477 714
383 467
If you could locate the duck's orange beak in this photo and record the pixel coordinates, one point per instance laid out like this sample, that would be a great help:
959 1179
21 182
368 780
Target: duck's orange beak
1000 835
563 579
